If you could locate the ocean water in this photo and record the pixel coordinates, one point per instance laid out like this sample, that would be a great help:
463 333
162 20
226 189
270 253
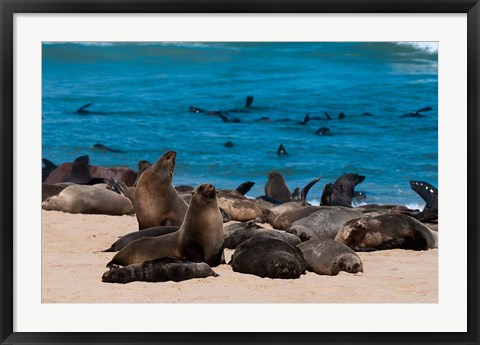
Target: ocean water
141 94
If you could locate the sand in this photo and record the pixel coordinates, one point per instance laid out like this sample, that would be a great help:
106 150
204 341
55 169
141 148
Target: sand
72 269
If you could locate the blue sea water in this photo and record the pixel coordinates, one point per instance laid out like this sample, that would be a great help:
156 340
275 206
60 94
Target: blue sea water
141 93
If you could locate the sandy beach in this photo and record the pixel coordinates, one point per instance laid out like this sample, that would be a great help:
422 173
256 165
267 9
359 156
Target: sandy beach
72 267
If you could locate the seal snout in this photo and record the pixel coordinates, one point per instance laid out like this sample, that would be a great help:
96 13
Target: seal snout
207 190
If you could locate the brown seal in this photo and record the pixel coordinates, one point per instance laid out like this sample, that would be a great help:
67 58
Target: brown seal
276 188
90 200
199 239
157 203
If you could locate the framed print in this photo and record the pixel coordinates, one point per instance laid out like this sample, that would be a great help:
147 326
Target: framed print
239 172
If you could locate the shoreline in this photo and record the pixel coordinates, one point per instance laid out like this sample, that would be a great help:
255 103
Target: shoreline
72 269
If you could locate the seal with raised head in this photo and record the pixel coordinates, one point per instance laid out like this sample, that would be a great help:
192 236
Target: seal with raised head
199 239
328 257
388 231
342 191
159 270
90 200
427 192
156 201
276 187
268 257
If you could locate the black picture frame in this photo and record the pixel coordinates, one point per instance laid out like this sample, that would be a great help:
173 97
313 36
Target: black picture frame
10 7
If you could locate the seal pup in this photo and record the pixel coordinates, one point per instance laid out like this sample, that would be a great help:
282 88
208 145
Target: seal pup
427 192
276 187
324 223
89 200
199 239
268 257
156 201
342 191
125 240
159 270
329 257
240 234
282 151
387 232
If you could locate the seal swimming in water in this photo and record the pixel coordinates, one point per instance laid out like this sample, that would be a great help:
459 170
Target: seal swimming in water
329 257
199 239
427 192
89 200
417 112
282 151
268 257
156 201
386 232
108 149
159 270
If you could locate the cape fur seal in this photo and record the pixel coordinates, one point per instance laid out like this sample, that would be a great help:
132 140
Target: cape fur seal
233 238
342 191
324 223
90 200
159 270
329 257
427 192
276 187
386 232
199 239
157 203
268 257
125 240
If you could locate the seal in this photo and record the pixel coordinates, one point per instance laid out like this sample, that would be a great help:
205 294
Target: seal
282 151
107 149
125 240
199 239
329 257
324 223
427 192
342 191
388 231
276 187
240 234
268 257
49 190
157 203
159 270
89 200
47 168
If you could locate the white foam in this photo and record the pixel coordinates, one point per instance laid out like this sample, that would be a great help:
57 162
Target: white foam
429 47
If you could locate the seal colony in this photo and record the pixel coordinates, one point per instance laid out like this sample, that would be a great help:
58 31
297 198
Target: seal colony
184 229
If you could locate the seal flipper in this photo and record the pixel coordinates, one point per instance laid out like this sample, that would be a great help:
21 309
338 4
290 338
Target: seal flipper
327 115
245 187
306 189
82 110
